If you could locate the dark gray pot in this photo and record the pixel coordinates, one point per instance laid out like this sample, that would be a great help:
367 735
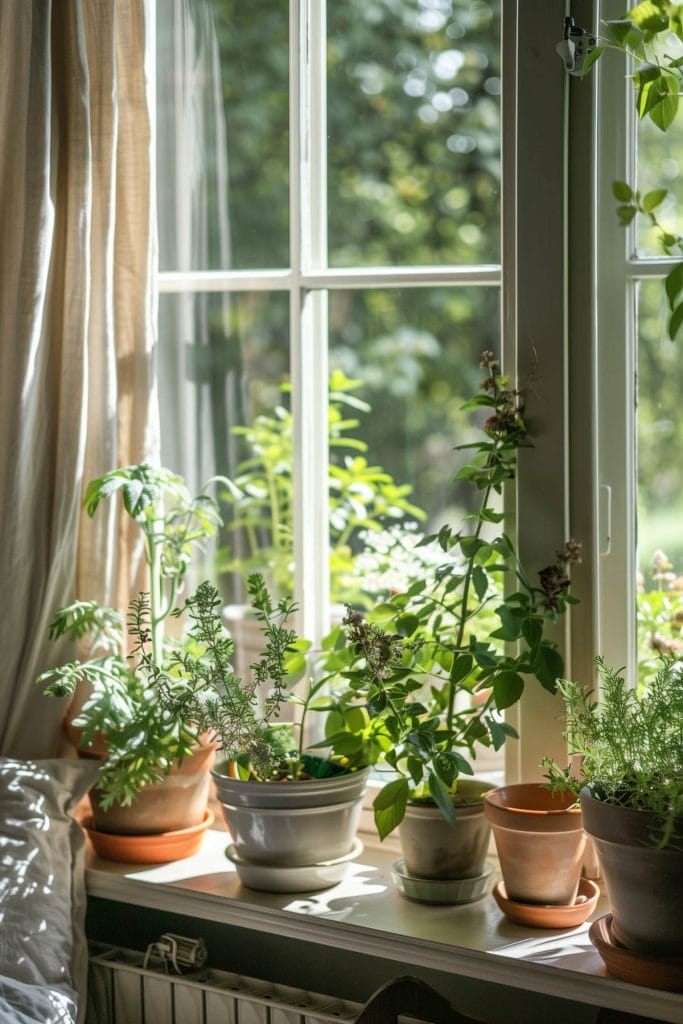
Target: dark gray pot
644 884
292 823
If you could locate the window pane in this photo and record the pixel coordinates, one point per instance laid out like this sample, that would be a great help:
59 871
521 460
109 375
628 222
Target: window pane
660 166
415 356
660 480
224 359
414 132
222 122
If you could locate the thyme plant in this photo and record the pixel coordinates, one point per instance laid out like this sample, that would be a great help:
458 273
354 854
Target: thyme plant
242 714
629 744
439 662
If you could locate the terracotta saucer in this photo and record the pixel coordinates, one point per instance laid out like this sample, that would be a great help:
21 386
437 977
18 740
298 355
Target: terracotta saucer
159 848
665 972
547 915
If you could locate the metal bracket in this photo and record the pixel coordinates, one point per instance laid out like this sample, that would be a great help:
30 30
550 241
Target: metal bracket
177 952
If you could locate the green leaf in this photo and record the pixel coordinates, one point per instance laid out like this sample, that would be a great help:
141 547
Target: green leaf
415 768
442 798
478 401
532 631
548 667
445 769
389 806
407 624
649 16
507 689
622 191
646 72
470 545
676 25
462 765
675 322
590 60
480 582
674 284
498 736
461 668
659 100
511 628
651 200
624 33
626 214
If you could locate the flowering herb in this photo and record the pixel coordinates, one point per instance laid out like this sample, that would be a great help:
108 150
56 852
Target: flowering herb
439 662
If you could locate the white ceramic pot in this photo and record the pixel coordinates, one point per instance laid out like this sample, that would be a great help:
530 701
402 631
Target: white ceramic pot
292 823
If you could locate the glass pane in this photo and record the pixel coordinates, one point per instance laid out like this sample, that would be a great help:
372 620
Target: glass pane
414 132
660 166
223 145
415 357
223 362
660 481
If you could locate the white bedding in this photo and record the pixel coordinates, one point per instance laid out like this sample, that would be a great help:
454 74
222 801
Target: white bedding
43 952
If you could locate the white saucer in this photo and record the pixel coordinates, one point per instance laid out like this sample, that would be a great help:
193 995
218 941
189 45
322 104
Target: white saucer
299 878
440 890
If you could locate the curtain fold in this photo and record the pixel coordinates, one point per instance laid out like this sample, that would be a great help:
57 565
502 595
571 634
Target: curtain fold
77 354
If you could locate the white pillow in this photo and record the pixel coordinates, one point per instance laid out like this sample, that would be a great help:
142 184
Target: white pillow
43 951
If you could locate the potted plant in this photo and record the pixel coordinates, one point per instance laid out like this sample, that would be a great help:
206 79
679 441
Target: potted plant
628 774
540 841
155 772
292 814
435 663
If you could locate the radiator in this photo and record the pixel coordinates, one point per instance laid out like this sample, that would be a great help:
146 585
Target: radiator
122 990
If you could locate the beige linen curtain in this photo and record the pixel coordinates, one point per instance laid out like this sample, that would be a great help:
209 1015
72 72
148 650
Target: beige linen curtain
77 381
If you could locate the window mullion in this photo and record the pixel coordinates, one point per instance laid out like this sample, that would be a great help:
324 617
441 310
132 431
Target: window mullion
309 361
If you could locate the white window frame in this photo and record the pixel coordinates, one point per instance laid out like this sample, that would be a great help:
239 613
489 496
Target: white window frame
534 299
620 270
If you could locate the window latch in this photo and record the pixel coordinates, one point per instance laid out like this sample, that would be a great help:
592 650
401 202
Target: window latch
575 46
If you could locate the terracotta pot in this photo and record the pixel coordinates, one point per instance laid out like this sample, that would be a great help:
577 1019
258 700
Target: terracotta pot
434 849
540 841
644 883
292 823
177 802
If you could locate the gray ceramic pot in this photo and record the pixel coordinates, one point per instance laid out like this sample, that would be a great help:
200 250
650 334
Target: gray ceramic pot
644 884
433 849
292 823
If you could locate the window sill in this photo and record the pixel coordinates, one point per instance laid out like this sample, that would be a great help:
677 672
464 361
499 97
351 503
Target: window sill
366 914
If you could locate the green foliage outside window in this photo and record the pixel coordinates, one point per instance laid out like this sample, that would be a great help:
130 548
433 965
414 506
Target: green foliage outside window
364 499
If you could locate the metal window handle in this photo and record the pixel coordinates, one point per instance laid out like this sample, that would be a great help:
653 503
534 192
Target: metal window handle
605 519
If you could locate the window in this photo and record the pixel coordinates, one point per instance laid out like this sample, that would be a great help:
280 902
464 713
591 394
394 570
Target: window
330 210
351 231
640 448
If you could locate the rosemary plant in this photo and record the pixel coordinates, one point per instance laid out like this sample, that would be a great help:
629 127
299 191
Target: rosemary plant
629 744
